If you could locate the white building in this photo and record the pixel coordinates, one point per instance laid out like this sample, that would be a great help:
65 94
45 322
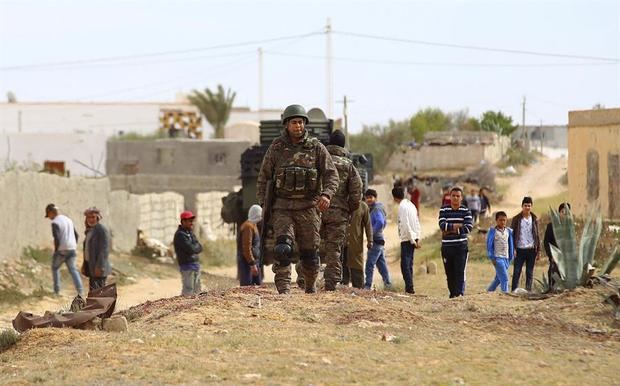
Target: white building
76 132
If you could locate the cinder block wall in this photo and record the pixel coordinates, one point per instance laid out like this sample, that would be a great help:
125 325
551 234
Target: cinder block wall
208 208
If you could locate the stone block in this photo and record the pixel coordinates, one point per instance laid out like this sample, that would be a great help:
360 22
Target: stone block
117 323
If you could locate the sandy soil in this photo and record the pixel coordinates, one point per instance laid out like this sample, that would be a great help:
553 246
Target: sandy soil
346 337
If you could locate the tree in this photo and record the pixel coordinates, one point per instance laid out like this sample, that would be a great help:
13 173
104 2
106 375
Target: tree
462 121
10 97
429 119
214 106
497 122
381 141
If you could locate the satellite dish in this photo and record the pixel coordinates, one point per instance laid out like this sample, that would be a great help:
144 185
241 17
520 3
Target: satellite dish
317 115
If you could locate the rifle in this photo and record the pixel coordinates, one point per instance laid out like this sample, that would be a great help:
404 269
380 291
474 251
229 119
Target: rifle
266 218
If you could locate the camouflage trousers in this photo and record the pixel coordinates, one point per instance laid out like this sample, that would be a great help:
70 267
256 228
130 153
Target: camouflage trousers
302 227
333 233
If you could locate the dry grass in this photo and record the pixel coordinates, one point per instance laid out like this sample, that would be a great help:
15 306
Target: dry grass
346 337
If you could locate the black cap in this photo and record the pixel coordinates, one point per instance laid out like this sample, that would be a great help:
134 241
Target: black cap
337 138
49 208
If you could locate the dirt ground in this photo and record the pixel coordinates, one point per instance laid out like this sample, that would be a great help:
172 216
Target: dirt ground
348 337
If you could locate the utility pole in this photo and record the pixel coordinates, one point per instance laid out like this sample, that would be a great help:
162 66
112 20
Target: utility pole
19 121
345 112
260 82
525 132
542 136
328 69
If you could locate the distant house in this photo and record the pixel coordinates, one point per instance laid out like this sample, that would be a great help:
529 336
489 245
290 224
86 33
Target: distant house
75 133
449 150
555 136
184 166
594 161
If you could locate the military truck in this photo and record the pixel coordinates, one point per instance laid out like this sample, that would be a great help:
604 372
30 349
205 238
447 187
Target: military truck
236 204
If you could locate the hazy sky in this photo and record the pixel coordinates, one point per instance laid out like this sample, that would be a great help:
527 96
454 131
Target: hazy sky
387 76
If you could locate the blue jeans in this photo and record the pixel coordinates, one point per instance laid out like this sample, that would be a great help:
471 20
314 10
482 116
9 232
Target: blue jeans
67 257
406 264
501 275
376 256
190 283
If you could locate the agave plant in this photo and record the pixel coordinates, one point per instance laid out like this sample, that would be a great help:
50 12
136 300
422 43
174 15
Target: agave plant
575 263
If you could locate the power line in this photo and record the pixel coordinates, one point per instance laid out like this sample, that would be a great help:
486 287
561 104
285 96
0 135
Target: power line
156 54
448 64
139 63
477 48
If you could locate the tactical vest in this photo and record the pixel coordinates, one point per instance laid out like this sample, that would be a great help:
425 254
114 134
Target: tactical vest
343 165
296 174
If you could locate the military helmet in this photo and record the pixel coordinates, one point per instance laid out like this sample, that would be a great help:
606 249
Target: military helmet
294 111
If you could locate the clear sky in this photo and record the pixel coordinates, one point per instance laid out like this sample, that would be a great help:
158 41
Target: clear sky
385 73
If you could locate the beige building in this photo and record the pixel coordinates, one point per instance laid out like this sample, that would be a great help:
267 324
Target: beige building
594 161
456 150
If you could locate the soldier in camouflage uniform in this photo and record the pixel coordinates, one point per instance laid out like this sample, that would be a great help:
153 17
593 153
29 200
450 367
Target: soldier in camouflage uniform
344 202
305 179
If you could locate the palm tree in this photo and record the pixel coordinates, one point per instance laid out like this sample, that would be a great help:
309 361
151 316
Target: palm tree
214 106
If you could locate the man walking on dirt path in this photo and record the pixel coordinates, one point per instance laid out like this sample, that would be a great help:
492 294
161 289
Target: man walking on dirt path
304 180
455 222
353 255
527 243
409 232
344 202
65 245
376 253
187 247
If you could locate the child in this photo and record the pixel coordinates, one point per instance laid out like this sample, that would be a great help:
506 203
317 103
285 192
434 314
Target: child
500 249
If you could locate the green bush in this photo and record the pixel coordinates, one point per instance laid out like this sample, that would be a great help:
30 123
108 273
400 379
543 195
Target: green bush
41 255
8 338
219 253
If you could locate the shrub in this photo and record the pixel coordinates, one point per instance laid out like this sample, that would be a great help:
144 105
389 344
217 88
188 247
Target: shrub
8 338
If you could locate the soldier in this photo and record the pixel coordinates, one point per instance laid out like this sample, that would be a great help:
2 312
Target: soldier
304 181
344 202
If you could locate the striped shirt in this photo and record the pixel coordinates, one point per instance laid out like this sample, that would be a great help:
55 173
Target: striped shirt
447 218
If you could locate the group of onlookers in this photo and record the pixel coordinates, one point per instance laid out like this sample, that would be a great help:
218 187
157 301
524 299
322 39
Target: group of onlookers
96 248
518 243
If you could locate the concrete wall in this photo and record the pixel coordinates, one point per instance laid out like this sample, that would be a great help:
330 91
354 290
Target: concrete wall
594 143
25 196
447 157
188 167
28 150
208 209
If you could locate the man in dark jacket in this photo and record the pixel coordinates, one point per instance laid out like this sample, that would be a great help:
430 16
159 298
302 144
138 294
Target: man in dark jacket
187 247
96 250
526 243
548 241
